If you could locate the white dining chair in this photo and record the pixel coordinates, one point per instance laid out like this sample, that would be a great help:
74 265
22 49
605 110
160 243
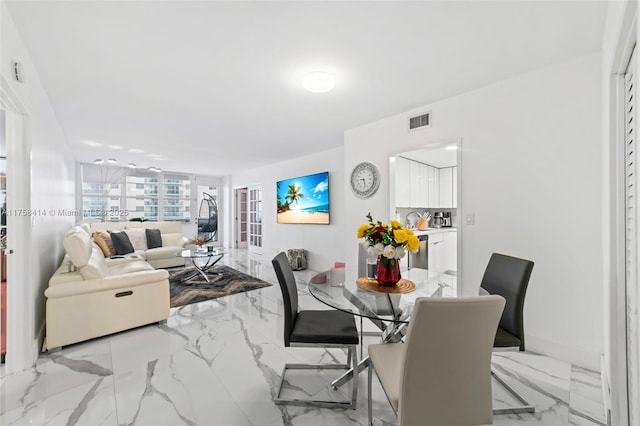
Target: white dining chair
441 375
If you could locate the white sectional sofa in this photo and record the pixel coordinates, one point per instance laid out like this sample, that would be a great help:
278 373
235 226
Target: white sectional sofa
160 257
90 296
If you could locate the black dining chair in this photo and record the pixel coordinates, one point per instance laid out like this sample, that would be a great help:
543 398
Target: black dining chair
308 328
508 277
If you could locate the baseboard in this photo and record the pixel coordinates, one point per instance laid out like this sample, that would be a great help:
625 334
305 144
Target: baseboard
581 358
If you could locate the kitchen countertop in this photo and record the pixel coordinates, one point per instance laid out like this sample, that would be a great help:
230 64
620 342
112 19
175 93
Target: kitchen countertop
430 231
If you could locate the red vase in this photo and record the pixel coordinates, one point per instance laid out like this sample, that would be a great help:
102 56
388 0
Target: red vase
388 271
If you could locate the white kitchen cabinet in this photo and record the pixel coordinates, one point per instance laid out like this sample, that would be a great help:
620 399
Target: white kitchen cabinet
443 251
434 188
451 246
437 253
446 187
424 190
455 187
418 185
414 184
403 182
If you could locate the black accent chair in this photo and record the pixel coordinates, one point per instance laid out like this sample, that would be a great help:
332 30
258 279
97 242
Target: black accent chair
509 277
307 328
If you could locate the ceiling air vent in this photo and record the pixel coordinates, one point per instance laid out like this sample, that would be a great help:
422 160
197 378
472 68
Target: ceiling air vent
420 121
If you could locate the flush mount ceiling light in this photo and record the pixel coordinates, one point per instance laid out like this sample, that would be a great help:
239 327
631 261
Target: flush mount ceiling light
318 82
154 169
451 147
131 165
111 160
98 161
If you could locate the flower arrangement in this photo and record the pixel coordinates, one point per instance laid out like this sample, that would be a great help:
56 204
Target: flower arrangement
197 241
388 241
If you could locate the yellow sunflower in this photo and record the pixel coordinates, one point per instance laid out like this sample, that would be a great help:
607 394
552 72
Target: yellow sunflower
362 229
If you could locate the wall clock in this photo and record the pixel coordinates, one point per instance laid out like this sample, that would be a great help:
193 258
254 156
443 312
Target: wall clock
365 179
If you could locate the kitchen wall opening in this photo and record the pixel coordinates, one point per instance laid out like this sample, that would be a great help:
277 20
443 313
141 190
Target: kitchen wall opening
424 197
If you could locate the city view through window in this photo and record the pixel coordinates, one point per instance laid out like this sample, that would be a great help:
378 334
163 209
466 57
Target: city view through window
117 194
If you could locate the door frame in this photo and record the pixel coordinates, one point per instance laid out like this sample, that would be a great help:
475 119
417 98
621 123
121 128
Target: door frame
434 144
22 337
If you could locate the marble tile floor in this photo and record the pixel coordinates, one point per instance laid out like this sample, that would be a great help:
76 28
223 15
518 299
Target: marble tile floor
219 363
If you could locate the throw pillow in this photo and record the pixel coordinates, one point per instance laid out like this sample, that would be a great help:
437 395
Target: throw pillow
121 242
154 238
137 237
103 240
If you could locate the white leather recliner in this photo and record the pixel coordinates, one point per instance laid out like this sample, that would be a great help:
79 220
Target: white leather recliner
90 296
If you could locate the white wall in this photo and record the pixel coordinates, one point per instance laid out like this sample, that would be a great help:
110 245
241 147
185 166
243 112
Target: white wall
325 243
52 188
531 174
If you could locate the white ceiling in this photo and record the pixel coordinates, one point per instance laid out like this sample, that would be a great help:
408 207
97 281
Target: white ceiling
215 87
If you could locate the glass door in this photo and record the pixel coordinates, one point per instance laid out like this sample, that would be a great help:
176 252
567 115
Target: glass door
242 228
255 220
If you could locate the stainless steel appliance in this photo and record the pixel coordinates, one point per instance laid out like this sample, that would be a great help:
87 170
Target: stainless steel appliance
420 258
446 219
437 220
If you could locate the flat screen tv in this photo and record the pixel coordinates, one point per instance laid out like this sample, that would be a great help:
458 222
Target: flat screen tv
304 199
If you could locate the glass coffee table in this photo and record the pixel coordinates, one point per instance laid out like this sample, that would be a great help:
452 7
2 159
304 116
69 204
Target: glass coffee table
202 261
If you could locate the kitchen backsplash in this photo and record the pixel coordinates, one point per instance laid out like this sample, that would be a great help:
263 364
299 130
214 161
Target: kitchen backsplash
402 212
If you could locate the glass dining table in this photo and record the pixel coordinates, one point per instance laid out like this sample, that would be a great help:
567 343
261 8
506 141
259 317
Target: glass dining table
389 308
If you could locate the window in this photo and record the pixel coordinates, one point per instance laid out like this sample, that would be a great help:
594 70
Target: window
142 195
177 196
101 192
114 193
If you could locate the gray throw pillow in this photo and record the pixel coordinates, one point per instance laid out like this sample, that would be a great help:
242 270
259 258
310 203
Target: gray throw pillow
121 243
154 238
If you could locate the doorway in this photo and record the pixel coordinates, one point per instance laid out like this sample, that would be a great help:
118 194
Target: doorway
255 219
241 218
3 240
425 196
20 309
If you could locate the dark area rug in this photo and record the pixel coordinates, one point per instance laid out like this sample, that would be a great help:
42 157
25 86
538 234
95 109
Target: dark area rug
225 282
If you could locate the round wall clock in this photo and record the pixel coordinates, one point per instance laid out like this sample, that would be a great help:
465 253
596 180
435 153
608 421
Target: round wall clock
365 179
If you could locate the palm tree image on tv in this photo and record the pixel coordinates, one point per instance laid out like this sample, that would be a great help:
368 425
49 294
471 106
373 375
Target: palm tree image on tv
303 199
